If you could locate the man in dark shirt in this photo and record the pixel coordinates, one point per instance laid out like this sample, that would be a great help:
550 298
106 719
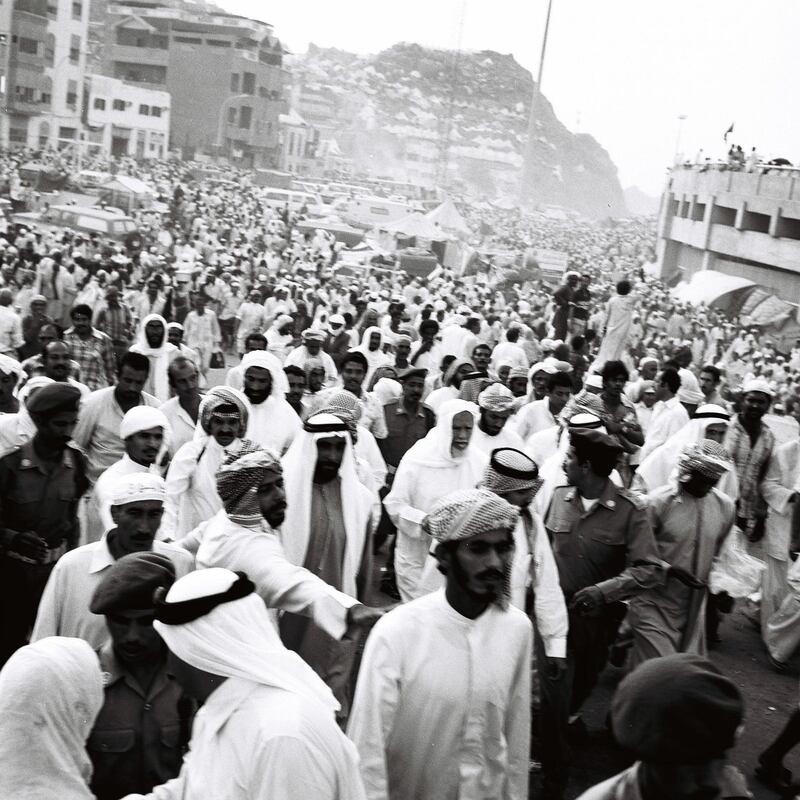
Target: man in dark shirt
407 420
41 483
142 731
563 301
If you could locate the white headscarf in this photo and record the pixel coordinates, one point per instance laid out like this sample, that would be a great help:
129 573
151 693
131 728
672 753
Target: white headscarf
50 694
658 467
387 390
143 418
375 358
434 450
237 639
159 357
298 473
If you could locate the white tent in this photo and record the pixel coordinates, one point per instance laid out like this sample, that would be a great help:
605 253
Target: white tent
448 218
417 225
707 286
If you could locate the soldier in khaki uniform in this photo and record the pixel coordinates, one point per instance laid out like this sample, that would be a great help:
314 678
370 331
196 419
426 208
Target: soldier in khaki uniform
605 552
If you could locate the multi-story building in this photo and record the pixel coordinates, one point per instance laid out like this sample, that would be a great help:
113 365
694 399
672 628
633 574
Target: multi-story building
44 63
126 120
224 73
745 224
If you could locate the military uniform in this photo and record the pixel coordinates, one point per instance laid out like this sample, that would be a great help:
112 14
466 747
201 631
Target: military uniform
140 734
40 496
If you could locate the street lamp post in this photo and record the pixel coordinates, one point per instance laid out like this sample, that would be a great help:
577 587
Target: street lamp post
528 164
226 103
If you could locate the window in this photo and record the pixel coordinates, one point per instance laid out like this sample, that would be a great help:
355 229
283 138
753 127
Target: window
235 82
245 116
248 83
217 43
74 49
118 105
144 109
155 111
188 40
99 104
30 46
24 94
52 10
232 115
50 49
77 9
18 135
46 98
72 94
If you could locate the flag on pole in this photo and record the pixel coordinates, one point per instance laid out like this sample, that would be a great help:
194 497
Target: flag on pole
725 137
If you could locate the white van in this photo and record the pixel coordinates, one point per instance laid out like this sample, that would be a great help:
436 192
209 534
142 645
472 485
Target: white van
278 199
371 212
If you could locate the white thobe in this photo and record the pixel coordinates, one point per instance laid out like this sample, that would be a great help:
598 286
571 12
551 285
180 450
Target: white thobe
668 418
534 417
64 607
281 584
272 424
439 396
486 443
509 353
256 742
182 426
442 704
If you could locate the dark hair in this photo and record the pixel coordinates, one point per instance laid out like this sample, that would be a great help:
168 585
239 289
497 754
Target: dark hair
479 345
624 287
671 377
446 362
577 342
602 460
512 334
356 357
135 361
614 369
293 369
255 337
713 371
562 379
81 310
432 324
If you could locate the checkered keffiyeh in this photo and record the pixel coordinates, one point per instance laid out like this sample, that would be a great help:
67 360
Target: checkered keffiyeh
342 401
496 397
237 484
510 470
707 458
213 404
469 512
472 387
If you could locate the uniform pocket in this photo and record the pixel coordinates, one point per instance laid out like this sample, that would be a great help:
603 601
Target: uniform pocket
119 741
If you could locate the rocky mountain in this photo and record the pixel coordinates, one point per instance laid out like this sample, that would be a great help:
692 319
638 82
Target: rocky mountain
640 203
439 117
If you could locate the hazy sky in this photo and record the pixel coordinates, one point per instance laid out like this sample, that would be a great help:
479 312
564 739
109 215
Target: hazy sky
622 70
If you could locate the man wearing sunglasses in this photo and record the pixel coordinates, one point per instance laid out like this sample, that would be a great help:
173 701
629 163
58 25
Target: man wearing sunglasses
442 705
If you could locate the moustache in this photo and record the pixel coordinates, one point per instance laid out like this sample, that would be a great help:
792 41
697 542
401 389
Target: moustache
490 574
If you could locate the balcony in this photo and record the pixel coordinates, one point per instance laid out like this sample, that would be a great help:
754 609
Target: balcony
138 55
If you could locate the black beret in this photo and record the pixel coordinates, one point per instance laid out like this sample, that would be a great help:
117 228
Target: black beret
130 583
412 372
588 439
54 397
679 709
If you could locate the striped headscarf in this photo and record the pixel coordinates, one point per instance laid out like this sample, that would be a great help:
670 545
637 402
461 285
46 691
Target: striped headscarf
238 480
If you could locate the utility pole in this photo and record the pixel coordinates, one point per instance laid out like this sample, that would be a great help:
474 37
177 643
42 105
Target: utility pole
528 166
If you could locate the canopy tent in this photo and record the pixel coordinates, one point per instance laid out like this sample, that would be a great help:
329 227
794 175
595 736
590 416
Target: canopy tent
449 219
709 286
127 193
417 226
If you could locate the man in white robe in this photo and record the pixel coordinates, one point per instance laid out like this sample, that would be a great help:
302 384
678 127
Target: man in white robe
267 728
144 432
137 506
327 531
442 705
272 422
496 405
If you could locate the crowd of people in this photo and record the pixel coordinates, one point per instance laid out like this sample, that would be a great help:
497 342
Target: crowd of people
275 529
